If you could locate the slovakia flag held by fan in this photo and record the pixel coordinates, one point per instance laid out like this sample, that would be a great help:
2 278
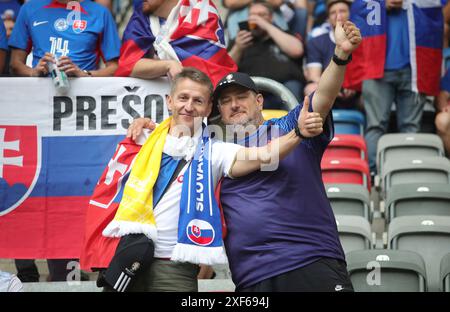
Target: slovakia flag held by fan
193 35
98 250
368 58
425 28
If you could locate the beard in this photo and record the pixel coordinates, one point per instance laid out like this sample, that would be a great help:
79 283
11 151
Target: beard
258 33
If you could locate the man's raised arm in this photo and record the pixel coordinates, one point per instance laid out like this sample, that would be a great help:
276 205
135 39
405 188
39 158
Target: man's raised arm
348 38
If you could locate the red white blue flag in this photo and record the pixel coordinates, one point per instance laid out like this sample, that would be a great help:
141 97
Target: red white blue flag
426 29
193 34
98 250
425 26
54 148
368 58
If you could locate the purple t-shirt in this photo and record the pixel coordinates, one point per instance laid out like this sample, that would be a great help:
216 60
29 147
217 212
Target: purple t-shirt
280 220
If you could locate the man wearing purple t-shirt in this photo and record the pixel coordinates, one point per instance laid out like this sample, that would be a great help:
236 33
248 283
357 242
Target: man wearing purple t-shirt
281 231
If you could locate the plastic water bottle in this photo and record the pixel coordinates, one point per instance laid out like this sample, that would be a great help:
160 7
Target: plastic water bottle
59 77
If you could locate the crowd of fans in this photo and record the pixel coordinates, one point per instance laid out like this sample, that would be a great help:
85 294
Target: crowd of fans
289 41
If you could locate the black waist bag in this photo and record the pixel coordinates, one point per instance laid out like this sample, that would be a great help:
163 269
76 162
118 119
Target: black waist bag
133 256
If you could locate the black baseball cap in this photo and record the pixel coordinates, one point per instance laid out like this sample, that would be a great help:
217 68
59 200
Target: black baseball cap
237 78
133 255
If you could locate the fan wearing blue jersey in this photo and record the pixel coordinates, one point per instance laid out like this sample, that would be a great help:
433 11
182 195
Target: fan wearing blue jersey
3 46
281 230
76 36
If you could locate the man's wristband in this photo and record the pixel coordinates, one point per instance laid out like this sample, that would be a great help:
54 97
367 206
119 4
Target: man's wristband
339 61
298 133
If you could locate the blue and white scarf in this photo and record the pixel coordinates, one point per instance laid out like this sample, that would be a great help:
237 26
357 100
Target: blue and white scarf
199 226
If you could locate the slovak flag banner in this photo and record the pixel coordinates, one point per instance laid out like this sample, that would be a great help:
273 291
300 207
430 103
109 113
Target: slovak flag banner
368 58
426 27
193 35
53 150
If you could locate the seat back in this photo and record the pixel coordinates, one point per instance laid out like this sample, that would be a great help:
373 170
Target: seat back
418 170
349 199
345 171
354 232
382 270
445 273
347 121
429 236
346 146
407 145
418 199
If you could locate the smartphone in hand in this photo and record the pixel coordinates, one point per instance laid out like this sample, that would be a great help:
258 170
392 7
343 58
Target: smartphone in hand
244 26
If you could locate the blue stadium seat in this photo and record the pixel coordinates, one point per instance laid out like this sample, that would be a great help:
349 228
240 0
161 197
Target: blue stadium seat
347 121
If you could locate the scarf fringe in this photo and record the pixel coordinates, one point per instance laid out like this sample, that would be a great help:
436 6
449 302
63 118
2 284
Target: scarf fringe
199 254
121 228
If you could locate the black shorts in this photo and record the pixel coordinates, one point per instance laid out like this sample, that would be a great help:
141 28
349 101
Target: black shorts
323 275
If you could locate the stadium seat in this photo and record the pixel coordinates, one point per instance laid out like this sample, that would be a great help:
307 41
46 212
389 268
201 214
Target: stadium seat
427 235
273 113
349 199
354 232
418 170
345 170
418 199
407 145
348 121
445 273
346 146
382 270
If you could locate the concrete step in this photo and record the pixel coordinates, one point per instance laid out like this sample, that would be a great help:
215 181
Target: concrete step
8 265
220 285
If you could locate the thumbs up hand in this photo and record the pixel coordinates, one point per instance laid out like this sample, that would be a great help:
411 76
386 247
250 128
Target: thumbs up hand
309 123
347 36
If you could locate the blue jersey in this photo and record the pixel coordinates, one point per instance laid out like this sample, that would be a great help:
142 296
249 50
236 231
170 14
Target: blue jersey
3 40
320 50
84 35
397 50
280 220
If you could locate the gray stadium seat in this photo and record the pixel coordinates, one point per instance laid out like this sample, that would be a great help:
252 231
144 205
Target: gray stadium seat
349 199
417 170
445 273
354 232
382 270
418 199
401 145
427 235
